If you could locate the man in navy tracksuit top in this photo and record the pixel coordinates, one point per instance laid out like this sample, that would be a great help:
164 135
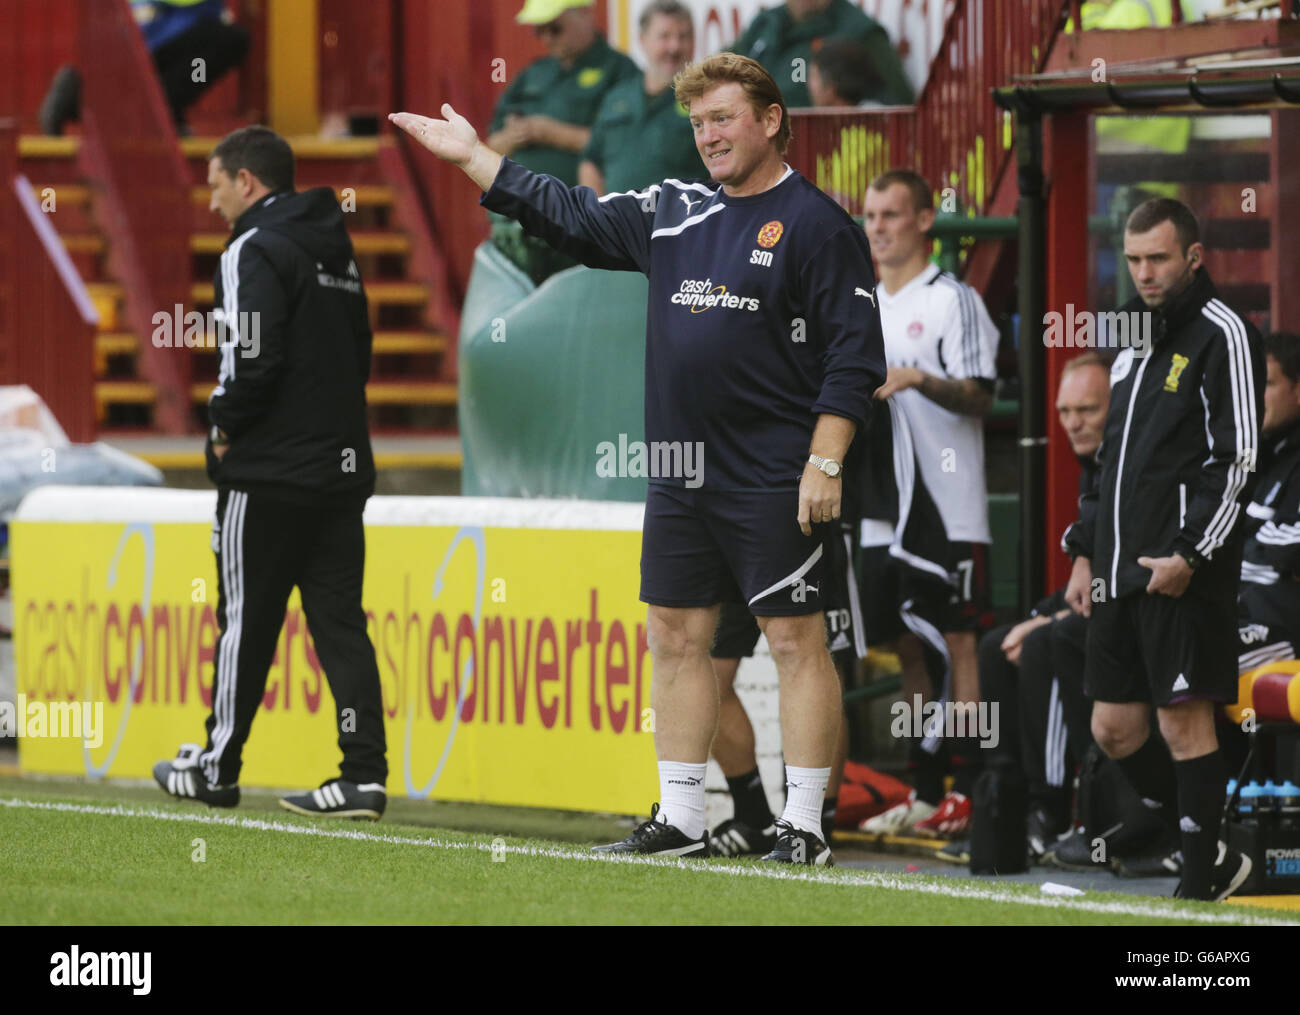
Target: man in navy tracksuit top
763 348
290 454
1178 460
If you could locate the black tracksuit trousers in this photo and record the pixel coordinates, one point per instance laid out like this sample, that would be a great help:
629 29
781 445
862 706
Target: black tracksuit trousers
1045 718
264 548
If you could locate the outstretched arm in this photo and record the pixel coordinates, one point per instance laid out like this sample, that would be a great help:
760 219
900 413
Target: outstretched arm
454 140
611 232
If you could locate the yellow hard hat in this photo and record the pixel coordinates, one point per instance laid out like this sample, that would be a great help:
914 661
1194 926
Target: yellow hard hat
542 12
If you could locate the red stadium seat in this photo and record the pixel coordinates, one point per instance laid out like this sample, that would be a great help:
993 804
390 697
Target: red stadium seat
1272 691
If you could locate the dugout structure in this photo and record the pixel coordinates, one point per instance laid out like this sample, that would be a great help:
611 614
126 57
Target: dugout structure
1237 175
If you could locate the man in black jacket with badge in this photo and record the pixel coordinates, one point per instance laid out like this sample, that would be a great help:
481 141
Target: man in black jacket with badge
289 451
1178 462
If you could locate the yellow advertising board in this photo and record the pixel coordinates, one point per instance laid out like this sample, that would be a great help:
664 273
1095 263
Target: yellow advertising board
510 641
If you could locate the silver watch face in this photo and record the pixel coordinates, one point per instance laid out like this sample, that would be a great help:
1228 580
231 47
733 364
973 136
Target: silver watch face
831 469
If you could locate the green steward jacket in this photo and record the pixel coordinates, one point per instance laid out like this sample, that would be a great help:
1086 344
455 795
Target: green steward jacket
777 41
574 96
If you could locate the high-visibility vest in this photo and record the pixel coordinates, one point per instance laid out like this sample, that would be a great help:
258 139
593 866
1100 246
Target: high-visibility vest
1161 133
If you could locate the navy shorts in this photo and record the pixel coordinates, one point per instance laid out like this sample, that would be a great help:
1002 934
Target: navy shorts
1161 650
699 548
737 631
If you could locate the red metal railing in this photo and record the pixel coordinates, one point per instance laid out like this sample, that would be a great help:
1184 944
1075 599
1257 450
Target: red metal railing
469 40
954 136
36 38
47 322
130 149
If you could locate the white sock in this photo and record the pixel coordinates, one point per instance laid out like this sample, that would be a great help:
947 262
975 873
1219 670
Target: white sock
805 789
681 796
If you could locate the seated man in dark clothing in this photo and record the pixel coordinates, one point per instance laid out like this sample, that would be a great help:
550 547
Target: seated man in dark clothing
783 39
1269 601
1034 669
192 45
841 74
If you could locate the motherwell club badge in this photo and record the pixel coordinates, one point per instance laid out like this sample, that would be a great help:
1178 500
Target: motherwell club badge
1176 368
770 234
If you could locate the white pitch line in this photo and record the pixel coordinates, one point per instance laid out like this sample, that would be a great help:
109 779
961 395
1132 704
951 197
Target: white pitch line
951 888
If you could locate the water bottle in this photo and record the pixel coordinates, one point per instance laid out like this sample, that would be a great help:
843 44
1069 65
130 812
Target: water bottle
1249 807
1233 814
1268 804
1288 806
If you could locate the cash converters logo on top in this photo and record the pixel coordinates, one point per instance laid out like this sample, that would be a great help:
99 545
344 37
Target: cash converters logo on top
701 295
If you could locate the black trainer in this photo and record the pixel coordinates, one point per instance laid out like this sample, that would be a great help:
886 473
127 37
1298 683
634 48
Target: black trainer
955 852
658 838
337 798
183 779
1041 833
794 845
1163 861
1073 852
1230 871
735 838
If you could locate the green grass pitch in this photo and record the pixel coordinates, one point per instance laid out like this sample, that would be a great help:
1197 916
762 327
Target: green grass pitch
84 853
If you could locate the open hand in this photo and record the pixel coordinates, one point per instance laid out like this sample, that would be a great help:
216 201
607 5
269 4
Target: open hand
452 139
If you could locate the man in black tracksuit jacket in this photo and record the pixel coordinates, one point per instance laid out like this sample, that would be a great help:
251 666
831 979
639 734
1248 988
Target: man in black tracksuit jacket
1269 602
289 451
1178 462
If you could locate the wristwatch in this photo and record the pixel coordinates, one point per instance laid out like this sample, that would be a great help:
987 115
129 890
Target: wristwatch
828 465
1194 559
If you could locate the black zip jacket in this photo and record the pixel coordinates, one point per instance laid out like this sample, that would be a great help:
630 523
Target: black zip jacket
1077 539
1180 448
291 395
1270 565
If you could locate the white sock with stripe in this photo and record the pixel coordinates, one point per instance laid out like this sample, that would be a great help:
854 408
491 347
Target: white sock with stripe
681 796
805 790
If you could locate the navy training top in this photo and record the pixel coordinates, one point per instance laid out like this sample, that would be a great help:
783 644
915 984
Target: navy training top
761 310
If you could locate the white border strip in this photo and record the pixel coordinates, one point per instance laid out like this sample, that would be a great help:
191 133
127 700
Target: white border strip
950 888
116 504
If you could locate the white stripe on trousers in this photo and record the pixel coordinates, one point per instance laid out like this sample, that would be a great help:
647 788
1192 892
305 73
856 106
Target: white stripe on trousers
232 571
1054 747
1277 652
